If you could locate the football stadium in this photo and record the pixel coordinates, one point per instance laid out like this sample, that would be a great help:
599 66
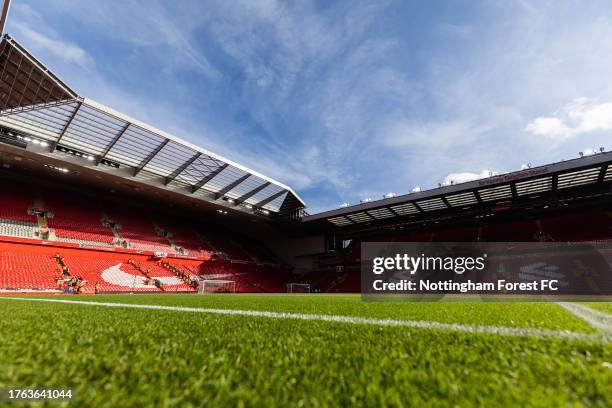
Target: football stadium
140 269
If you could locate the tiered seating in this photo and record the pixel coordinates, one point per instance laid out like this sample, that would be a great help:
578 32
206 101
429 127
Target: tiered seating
14 218
152 269
226 244
596 226
123 277
139 231
14 203
15 228
77 220
186 238
27 271
248 277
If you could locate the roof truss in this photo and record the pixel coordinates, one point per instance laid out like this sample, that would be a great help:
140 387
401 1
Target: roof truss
33 101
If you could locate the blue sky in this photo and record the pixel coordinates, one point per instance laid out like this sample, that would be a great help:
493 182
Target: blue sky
344 100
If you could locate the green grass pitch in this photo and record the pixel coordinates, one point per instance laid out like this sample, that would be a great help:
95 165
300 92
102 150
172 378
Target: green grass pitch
141 357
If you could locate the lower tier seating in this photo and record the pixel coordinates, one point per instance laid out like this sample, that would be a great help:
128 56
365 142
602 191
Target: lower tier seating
30 271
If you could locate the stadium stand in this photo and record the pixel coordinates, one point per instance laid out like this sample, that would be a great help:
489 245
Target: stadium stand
76 219
29 271
14 217
184 239
138 230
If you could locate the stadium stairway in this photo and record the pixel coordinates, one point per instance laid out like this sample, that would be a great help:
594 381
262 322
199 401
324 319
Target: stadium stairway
190 279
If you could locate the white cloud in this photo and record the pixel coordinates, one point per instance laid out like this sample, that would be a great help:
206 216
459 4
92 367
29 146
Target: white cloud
456 178
582 115
67 51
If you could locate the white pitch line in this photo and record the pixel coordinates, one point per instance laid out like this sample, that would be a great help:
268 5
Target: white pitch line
417 324
595 318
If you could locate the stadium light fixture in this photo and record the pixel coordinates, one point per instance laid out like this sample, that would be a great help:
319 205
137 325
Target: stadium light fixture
366 200
416 189
344 205
389 195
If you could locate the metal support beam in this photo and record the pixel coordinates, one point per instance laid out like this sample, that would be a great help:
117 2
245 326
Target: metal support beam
181 169
270 199
478 198
206 179
513 190
251 193
112 144
602 173
446 203
150 157
393 211
349 220
231 186
5 10
66 126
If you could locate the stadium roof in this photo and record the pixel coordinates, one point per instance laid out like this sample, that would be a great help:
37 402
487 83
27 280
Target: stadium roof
496 192
35 102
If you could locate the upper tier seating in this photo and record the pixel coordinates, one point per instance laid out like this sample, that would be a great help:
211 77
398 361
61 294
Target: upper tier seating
188 239
139 230
14 203
77 220
224 242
